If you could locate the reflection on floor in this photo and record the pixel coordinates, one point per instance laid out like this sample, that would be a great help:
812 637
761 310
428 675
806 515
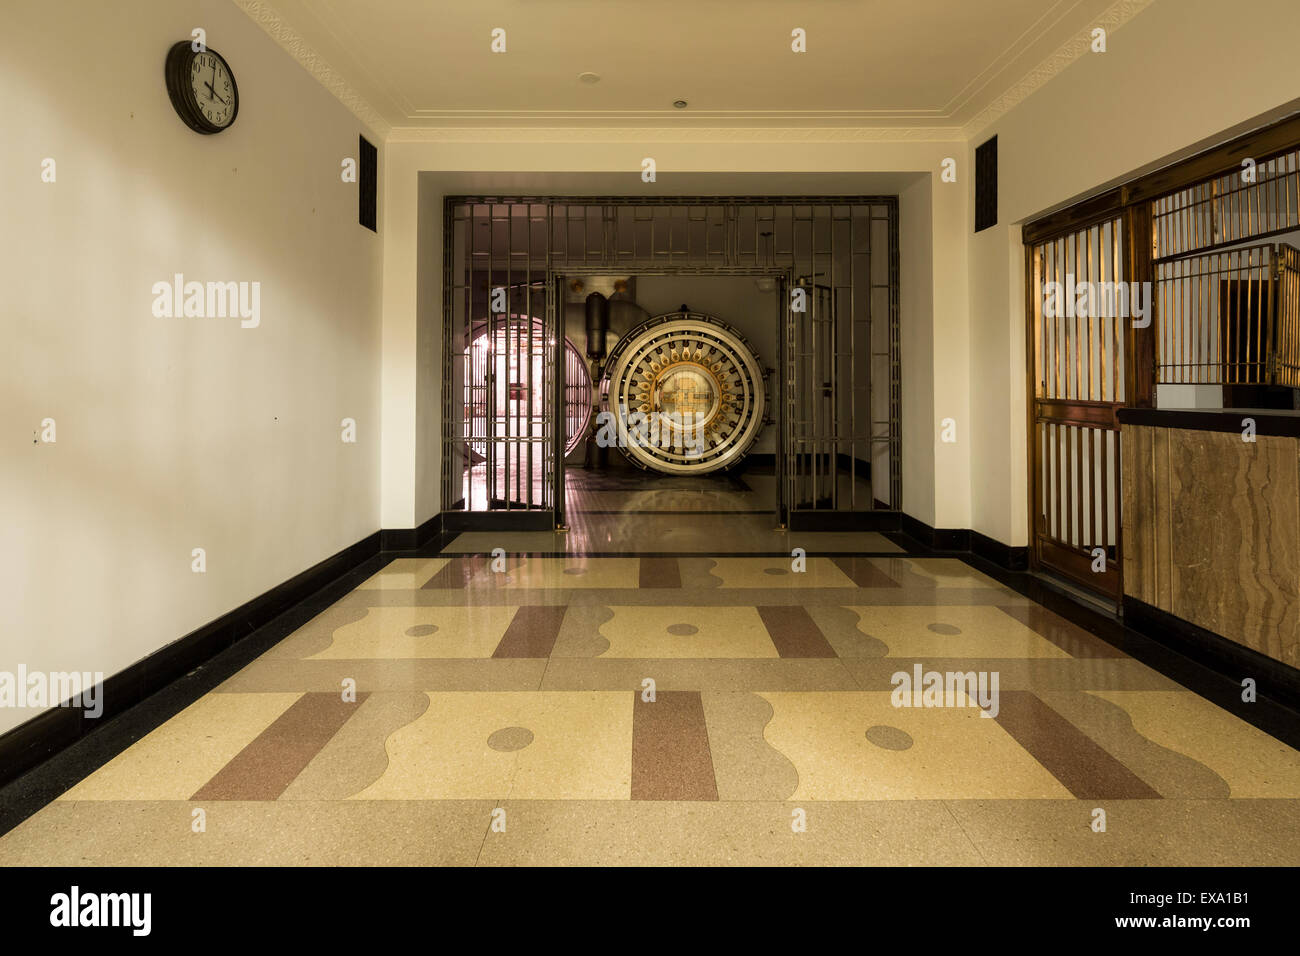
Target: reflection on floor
626 510
712 709
620 488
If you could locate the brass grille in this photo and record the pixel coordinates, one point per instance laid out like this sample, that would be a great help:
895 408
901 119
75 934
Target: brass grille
1214 314
1287 367
1229 209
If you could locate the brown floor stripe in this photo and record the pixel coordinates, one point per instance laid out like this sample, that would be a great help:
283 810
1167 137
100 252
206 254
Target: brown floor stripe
1069 637
1074 758
794 632
670 749
660 573
457 573
863 573
532 632
263 769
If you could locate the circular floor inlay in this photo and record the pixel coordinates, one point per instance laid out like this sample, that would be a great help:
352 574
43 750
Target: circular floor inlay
889 738
683 630
510 738
775 571
943 628
421 630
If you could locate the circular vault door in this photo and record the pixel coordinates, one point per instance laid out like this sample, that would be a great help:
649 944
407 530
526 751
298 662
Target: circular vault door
686 393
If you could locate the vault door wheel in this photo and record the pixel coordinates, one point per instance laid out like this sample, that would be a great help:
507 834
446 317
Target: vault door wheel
686 393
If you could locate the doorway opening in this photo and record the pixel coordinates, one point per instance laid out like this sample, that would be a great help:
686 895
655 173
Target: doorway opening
730 355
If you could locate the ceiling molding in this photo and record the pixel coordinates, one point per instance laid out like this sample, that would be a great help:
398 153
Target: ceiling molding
1114 17
293 43
674 118
852 126
689 134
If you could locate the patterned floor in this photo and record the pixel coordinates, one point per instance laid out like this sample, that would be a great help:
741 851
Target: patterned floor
678 710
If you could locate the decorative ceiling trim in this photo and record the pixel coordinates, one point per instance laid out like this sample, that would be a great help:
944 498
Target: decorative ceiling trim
850 130
1114 17
293 43
751 118
689 134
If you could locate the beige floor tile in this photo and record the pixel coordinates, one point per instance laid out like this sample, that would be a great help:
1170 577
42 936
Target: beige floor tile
403 633
178 758
952 632
644 833
404 573
775 574
1251 762
1138 832
682 674
686 632
954 751
471 673
298 833
581 747
546 573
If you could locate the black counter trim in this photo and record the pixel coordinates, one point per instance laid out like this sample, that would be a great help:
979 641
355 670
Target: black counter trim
1267 422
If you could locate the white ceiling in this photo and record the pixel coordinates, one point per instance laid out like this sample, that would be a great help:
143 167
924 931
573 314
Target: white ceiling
428 63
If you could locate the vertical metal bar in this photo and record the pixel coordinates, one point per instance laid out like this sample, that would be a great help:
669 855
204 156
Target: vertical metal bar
1088 352
1104 530
558 435
1058 452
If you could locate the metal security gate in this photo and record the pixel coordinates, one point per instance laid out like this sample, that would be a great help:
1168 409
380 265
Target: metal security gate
509 389
839 372
1079 305
503 357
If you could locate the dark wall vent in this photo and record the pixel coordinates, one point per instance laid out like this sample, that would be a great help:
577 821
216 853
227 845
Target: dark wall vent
368 183
986 185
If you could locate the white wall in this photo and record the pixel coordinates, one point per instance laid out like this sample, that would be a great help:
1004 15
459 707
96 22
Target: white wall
916 347
1178 74
172 433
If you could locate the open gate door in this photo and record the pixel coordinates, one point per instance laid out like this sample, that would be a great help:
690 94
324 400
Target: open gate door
1077 359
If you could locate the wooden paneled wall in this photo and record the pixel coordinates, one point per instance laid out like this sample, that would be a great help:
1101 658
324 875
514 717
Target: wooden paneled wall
1211 528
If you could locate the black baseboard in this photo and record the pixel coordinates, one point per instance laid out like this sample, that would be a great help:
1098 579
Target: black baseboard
408 539
937 539
1006 556
1273 679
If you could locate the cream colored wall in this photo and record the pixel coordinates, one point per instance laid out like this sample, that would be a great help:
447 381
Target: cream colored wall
1177 74
420 174
916 348
172 433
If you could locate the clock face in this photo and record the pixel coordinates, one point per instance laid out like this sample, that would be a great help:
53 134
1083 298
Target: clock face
213 88
202 88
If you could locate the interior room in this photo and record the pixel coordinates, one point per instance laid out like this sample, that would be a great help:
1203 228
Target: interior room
753 434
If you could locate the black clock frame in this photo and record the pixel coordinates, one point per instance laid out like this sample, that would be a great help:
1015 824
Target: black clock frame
181 92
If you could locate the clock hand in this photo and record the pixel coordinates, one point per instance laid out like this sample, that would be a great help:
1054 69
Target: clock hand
212 92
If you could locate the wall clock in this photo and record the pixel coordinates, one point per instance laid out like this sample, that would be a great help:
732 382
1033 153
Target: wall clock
202 88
